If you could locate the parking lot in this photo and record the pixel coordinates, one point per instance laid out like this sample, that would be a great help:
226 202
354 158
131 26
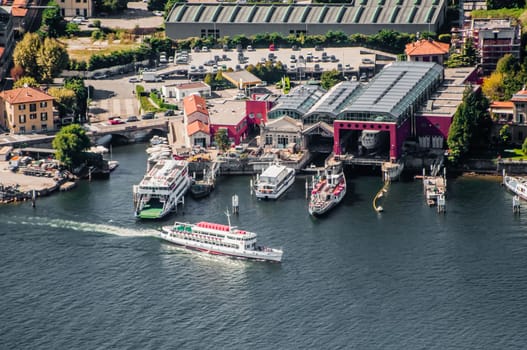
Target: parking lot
301 63
115 96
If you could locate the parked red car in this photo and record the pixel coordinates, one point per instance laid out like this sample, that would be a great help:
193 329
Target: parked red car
115 121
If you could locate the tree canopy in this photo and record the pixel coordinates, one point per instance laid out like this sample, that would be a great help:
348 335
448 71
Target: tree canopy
53 24
221 138
506 80
70 144
330 78
41 59
110 5
470 128
29 81
467 58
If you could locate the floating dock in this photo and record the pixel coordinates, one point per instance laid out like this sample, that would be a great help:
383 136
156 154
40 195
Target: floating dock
435 190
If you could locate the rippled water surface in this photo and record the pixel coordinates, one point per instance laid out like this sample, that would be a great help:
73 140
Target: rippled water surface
79 272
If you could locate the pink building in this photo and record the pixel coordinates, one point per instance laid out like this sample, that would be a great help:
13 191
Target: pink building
231 116
257 108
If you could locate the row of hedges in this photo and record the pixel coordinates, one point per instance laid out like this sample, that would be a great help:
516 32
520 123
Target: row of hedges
143 97
386 40
115 58
161 103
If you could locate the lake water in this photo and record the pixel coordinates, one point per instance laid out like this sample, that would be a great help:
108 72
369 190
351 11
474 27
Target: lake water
80 272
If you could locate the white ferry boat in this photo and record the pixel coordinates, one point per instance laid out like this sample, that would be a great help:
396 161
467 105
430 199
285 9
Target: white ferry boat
517 185
274 181
161 189
217 239
328 191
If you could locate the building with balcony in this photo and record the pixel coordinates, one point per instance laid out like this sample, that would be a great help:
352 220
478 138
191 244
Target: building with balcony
493 39
26 110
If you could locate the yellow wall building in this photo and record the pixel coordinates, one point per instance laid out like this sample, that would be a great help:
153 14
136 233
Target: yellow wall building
26 110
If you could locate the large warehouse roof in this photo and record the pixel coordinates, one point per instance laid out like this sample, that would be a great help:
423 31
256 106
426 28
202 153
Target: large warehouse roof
359 16
359 12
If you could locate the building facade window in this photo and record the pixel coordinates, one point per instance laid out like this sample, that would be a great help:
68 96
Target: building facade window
32 107
22 129
268 139
44 116
22 118
43 104
33 116
33 128
44 127
21 107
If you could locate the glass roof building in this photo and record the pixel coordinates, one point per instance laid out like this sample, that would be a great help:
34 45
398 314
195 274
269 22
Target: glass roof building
396 93
393 95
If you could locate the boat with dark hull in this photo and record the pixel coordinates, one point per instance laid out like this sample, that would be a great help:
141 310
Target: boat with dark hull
328 190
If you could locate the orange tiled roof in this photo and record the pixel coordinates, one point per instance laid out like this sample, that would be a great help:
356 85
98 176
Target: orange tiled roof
502 104
195 103
426 47
25 95
519 96
197 126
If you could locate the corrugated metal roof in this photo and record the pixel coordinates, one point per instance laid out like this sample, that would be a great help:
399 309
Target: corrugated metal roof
363 12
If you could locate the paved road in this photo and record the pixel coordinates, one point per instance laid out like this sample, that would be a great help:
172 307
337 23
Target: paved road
136 15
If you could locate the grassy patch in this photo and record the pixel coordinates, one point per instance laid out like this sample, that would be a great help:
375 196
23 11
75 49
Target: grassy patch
514 154
144 100
500 13
98 48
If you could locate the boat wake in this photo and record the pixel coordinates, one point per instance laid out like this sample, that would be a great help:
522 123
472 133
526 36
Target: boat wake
84 227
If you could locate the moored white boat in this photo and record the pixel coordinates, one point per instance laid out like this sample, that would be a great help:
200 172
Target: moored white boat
274 181
217 239
161 189
328 191
517 185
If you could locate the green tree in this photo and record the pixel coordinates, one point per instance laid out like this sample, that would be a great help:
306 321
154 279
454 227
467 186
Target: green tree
524 146
110 5
470 53
64 99
52 59
70 145
81 96
470 128
26 53
72 29
468 57
328 79
29 81
221 138
52 21
505 135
